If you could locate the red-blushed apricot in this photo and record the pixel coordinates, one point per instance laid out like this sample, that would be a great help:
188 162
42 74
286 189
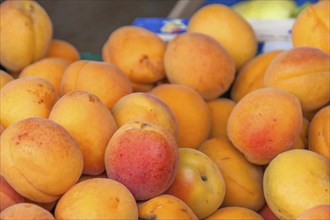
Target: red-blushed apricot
264 123
144 157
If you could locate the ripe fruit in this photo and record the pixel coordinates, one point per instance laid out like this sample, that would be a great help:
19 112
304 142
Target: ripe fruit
243 180
26 211
198 182
26 31
190 110
102 79
138 52
296 180
303 72
165 207
26 97
311 27
265 123
251 76
200 62
63 49
92 126
97 198
234 212
50 69
39 159
144 107
144 157
231 30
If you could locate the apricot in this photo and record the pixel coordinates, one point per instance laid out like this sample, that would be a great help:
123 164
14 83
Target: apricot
39 159
165 206
26 31
8 196
144 157
303 72
138 52
264 123
5 78
220 110
63 49
234 212
199 61
267 213
91 125
320 212
199 182
144 107
102 79
231 30
26 211
296 180
251 76
312 27
26 97
243 180
190 110
97 198
319 132
50 69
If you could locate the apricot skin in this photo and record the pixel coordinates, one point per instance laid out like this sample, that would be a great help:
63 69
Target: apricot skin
265 123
